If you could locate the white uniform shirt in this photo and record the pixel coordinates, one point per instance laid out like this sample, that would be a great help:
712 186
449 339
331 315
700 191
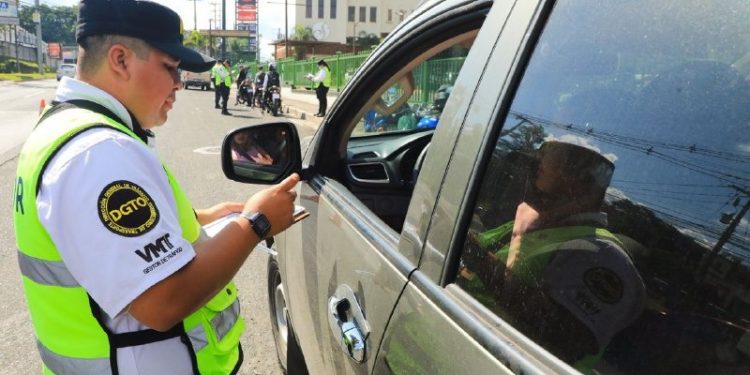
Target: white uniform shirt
106 263
320 76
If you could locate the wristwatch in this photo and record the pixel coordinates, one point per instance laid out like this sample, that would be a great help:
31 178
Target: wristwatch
259 222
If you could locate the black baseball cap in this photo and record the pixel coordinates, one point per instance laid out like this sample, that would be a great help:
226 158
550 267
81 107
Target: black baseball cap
155 24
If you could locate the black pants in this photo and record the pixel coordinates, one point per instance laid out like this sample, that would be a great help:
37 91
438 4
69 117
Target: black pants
217 94
322 93
224 96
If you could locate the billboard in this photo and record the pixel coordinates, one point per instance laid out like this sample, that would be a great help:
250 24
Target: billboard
8 12
247 14
54 50
251 28
247 10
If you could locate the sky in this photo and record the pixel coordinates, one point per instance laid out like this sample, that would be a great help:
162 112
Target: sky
270 13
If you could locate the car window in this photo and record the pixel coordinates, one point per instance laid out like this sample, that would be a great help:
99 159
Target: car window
610 225
390 134
416 101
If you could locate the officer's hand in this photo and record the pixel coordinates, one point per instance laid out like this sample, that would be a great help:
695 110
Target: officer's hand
207 215
277 203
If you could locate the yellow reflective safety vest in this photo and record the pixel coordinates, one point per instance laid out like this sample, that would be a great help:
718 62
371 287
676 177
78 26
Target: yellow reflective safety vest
71 336
222 75
327 80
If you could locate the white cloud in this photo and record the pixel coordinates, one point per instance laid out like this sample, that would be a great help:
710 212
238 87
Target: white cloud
744 147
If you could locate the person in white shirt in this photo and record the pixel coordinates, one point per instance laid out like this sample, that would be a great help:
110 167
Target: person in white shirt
117 276
323 79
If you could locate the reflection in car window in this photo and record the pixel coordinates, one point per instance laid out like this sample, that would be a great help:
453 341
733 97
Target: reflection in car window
611 224
430 85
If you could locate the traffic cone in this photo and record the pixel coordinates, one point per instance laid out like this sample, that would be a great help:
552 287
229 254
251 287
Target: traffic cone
42 105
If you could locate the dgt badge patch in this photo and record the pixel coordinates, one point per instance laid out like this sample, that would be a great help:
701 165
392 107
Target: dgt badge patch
125 209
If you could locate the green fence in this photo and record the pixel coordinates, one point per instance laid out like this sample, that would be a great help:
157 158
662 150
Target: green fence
428 76
342 66
431 74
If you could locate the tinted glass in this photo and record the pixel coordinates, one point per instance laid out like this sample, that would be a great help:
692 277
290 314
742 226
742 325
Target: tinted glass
611 224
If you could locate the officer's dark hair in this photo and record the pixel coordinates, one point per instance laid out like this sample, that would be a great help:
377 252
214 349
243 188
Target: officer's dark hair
93 50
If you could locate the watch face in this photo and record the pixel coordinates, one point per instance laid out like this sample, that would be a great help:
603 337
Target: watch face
260 223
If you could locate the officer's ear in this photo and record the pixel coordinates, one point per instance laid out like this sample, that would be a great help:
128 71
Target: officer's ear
118 60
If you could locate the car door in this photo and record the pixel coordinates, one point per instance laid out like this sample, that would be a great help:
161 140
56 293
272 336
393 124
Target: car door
431 331
629 256
344 264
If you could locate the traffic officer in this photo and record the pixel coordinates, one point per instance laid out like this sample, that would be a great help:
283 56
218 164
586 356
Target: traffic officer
559 274
225 84
117 275
323 79
215 80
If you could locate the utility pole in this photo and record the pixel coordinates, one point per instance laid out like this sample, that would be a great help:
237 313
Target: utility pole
195 15
223 27
37 17
726 235
18 65
286 29
210 38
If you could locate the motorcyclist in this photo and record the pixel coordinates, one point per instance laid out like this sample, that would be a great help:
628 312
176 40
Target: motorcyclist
271 80
260 80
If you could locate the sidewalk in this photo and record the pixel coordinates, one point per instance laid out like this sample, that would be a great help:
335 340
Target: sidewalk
301 103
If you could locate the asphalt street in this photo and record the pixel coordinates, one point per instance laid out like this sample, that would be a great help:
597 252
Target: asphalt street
189 144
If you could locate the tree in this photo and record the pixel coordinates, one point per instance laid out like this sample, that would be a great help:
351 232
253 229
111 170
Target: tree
366 40
195 40
302 32
58 22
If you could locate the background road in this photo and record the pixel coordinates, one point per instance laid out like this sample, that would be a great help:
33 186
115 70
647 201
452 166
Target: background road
189 144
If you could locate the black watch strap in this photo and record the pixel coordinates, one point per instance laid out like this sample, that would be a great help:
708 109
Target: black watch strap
259 222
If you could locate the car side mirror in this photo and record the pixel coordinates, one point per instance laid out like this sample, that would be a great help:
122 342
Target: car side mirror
261 154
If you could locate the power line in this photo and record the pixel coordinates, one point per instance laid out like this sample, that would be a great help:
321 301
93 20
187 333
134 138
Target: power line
641 146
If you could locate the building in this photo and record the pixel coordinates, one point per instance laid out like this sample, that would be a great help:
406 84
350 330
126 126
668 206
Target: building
339 21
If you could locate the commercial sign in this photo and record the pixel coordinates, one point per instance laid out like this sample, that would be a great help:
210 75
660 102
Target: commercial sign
9 12
247 10
54 50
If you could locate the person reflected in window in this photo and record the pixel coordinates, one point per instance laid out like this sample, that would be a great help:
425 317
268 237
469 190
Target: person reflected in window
555 271
245 148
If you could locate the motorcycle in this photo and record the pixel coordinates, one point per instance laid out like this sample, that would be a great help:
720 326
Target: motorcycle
259 98
244 96
273 100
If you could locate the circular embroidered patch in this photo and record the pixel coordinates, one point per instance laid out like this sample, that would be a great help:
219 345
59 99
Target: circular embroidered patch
126 209
604 284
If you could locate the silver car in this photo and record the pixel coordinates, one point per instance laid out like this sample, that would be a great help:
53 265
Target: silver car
528 187
66 70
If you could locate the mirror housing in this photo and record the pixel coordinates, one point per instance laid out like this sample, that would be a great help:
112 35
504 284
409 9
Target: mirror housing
261 154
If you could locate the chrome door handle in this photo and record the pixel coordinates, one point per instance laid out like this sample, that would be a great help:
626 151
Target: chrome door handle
348 324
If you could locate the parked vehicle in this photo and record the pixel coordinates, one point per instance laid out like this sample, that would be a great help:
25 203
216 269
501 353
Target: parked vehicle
66 70
581 207
202 80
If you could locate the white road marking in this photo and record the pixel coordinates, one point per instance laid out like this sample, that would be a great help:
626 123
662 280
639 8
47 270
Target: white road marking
210 150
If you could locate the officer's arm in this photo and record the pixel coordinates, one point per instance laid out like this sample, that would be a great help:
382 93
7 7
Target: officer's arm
216 261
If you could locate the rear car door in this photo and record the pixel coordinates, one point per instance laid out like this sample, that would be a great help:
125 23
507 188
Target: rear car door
345 263
630 255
